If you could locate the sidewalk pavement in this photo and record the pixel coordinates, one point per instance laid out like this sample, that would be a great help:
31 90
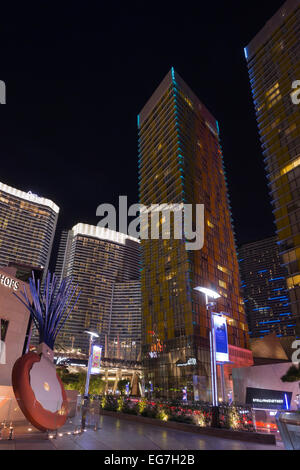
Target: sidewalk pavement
116 434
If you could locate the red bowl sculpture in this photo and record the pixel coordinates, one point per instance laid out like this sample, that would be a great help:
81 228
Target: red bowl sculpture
39 391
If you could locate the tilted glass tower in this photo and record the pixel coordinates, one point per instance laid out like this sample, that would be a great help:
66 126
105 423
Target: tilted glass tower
273 58
180 161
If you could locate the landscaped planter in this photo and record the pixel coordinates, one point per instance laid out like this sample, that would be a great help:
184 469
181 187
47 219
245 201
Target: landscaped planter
268 439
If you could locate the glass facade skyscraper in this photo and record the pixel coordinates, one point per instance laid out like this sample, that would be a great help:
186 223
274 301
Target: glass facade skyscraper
27 228
180 162
105 265
264 289
273 59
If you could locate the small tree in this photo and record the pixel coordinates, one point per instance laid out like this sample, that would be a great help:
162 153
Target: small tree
77 382
122 386
292 375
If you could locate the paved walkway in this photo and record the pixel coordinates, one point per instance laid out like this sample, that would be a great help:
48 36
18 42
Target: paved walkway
117 434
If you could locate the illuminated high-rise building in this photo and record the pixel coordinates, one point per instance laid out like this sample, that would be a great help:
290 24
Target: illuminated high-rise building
180 162
106 266
273 59
27 228
125 321
264 289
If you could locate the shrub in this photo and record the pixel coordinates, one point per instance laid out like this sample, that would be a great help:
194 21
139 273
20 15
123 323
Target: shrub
109 403
201 419
142 405
120 404
150 411
234 418
162 415
129 407
181 418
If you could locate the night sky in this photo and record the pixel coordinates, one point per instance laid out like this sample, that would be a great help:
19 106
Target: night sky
77 76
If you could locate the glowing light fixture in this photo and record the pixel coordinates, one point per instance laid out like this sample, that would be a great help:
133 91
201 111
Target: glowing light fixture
209 292
46 386
92 333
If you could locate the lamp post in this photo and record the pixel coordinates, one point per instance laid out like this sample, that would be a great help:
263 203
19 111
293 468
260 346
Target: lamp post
209 293
93 335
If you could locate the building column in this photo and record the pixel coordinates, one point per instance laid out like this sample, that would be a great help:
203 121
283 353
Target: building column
106 380
118 377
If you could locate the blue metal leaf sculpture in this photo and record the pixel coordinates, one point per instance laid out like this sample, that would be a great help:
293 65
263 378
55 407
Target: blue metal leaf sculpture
51 306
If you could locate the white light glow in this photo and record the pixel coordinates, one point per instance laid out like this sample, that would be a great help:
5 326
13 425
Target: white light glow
92 333
209 292
29 197
102 233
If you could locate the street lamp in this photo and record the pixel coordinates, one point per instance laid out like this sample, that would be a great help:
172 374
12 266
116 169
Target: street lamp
209 293
93 335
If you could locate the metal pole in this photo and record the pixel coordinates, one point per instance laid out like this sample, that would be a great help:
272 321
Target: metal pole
214 361
211 353
214 388
27 337
222 382
215 408
212 368
87 382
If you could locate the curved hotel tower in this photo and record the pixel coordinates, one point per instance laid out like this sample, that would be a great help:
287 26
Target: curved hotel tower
180 161
105 265
27 228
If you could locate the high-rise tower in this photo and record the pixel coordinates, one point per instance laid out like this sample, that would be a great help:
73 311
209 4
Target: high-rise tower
106 266
273 59
27 228
180 162
264 289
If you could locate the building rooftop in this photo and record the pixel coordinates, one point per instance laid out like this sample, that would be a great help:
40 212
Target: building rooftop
102 233
29 196
173 77
270 27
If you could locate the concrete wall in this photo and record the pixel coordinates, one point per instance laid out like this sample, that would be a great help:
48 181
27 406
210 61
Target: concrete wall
11 309
9 408
265 377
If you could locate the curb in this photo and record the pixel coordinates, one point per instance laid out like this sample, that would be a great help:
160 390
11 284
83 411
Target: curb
259 438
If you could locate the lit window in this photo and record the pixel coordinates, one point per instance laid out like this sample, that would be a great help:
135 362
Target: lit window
222 284
188 102
260 108
273 95
293 281
290 167
274 88
224 270
290 129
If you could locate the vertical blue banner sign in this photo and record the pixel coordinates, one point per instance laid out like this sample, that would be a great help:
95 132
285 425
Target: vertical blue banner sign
221 338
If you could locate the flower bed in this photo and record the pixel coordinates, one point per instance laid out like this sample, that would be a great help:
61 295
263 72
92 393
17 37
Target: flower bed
234 417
